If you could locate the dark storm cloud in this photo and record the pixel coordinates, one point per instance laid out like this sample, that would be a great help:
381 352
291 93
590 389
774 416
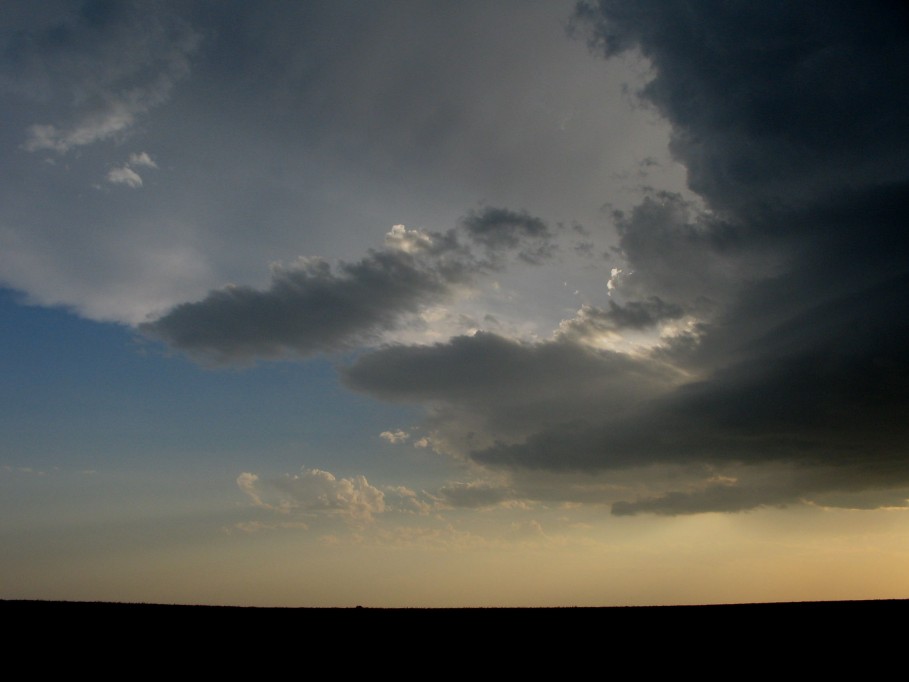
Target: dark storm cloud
771 100
792 122
484 387
675 253
501 228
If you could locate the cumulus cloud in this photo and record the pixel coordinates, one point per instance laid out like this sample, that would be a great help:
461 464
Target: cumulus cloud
299 500
790 271
124 175
142 159
501 228
395 437
314 492
774 295
127 175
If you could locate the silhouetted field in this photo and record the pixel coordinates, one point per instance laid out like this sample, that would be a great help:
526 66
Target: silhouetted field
895 607
805 636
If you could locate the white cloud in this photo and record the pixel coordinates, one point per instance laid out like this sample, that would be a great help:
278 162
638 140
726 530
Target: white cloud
93 128
408 500
124 175
315 492
247 483
408 241
142 159
398 436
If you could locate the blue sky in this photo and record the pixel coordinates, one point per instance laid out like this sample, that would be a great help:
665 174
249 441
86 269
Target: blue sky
337 303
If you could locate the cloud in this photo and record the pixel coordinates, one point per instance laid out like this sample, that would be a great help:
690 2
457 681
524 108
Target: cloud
759 320
312 494
124 175
591 322
315 492
786 281
311 308
474 494
824 487
789 102
103 65
715 498
142 159
502 229
395 437
486 390
264 124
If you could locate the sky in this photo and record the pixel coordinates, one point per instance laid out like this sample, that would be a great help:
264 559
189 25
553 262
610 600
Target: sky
421 303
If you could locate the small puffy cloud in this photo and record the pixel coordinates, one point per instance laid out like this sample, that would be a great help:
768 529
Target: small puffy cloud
401 498
141 159
409 241
124 175
248 483
395 437
127 175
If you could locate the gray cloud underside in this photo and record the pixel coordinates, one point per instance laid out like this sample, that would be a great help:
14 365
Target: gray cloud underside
498 228
507 388
309 308
735 498
473 494
792 122
633 315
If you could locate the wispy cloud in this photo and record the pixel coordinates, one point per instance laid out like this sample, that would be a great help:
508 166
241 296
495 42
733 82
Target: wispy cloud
109 78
